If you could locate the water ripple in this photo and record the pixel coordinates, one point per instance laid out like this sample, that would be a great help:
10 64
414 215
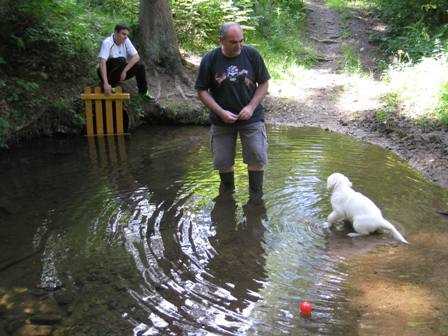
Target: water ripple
146 239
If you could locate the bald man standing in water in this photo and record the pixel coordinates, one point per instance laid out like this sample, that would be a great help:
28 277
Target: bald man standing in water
232 81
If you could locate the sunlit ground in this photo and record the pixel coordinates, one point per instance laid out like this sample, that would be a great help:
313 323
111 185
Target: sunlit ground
415 86
418 85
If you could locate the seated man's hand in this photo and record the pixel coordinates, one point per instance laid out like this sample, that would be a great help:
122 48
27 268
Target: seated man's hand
123 75
107 89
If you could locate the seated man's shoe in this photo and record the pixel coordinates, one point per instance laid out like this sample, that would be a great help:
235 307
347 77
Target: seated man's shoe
148 96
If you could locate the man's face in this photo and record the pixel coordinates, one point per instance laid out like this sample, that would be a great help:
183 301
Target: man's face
232 42
121 36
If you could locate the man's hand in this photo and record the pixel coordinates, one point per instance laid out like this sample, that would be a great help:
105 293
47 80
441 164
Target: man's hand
248 110
246 113
123 75
228 117
107 89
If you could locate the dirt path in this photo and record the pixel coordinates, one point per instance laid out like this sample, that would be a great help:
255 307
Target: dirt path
331 99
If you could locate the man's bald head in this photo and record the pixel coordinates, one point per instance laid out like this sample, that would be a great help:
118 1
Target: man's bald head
226 27
231 38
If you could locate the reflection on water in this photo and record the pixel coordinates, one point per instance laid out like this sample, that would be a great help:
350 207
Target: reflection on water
130 235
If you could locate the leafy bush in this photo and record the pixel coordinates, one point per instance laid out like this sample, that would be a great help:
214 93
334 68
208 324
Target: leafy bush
59 37
128 9
421 88
277 36
390 107
197 22
403 13
350 62
46 42
340 5
417 27
271 26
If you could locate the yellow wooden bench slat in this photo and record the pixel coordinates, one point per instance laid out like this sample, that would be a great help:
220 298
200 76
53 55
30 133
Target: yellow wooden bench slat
95 99
102 96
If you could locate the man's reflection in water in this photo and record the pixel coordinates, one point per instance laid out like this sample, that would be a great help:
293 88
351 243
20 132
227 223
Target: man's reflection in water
239 263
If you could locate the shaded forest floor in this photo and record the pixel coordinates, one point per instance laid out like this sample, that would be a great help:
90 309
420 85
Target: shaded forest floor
329 98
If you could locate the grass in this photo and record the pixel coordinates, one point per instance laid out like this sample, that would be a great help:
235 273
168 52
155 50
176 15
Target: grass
421 88
350 62
340 5
278 40
391 106
442 109
283 55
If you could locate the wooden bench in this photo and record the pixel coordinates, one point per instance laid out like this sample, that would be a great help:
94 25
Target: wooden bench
101 109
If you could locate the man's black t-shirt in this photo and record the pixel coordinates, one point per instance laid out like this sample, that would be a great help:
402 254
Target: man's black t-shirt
232 81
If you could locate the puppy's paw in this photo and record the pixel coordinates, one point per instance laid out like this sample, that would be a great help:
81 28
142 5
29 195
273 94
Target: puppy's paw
327 225
354 234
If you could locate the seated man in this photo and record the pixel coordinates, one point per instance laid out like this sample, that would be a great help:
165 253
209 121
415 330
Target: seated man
119 61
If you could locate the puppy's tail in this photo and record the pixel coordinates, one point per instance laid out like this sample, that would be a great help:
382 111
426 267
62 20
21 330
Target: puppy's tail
397 235
440 212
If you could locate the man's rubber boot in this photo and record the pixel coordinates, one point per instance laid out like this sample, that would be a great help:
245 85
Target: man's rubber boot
227 181
256 181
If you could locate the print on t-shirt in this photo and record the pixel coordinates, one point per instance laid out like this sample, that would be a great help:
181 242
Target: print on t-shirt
233 74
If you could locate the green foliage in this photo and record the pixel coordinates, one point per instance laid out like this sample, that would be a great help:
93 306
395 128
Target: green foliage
20 97
128 9
63 113
276 18
197 22
18 90
39 38
277 36
350 62
51 36
417 27
391 105
345 30
405 12
272 27
340 5
4 119
416 40
46 42
442 110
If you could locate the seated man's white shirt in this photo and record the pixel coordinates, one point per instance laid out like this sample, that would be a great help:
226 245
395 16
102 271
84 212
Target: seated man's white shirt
111 50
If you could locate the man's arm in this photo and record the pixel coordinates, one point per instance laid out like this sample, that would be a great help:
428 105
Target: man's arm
207 99
103 71
260 93
134 59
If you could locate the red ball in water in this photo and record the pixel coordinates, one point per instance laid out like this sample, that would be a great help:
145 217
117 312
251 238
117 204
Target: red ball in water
306 308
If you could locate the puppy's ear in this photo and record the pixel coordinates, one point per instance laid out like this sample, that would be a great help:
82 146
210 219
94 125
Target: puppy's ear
347 181
337 179
331 182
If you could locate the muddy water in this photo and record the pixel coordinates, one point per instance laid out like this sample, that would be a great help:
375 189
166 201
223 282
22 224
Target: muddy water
131 236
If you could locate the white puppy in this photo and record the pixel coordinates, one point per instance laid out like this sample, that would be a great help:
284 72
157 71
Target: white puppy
356 208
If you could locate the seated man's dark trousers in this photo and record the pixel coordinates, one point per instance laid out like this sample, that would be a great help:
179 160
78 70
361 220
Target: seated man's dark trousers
115 67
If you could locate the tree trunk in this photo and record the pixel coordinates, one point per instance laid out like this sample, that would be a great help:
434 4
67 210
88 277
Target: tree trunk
158 36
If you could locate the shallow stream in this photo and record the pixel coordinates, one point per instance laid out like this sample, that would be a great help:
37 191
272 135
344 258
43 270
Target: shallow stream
131 236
